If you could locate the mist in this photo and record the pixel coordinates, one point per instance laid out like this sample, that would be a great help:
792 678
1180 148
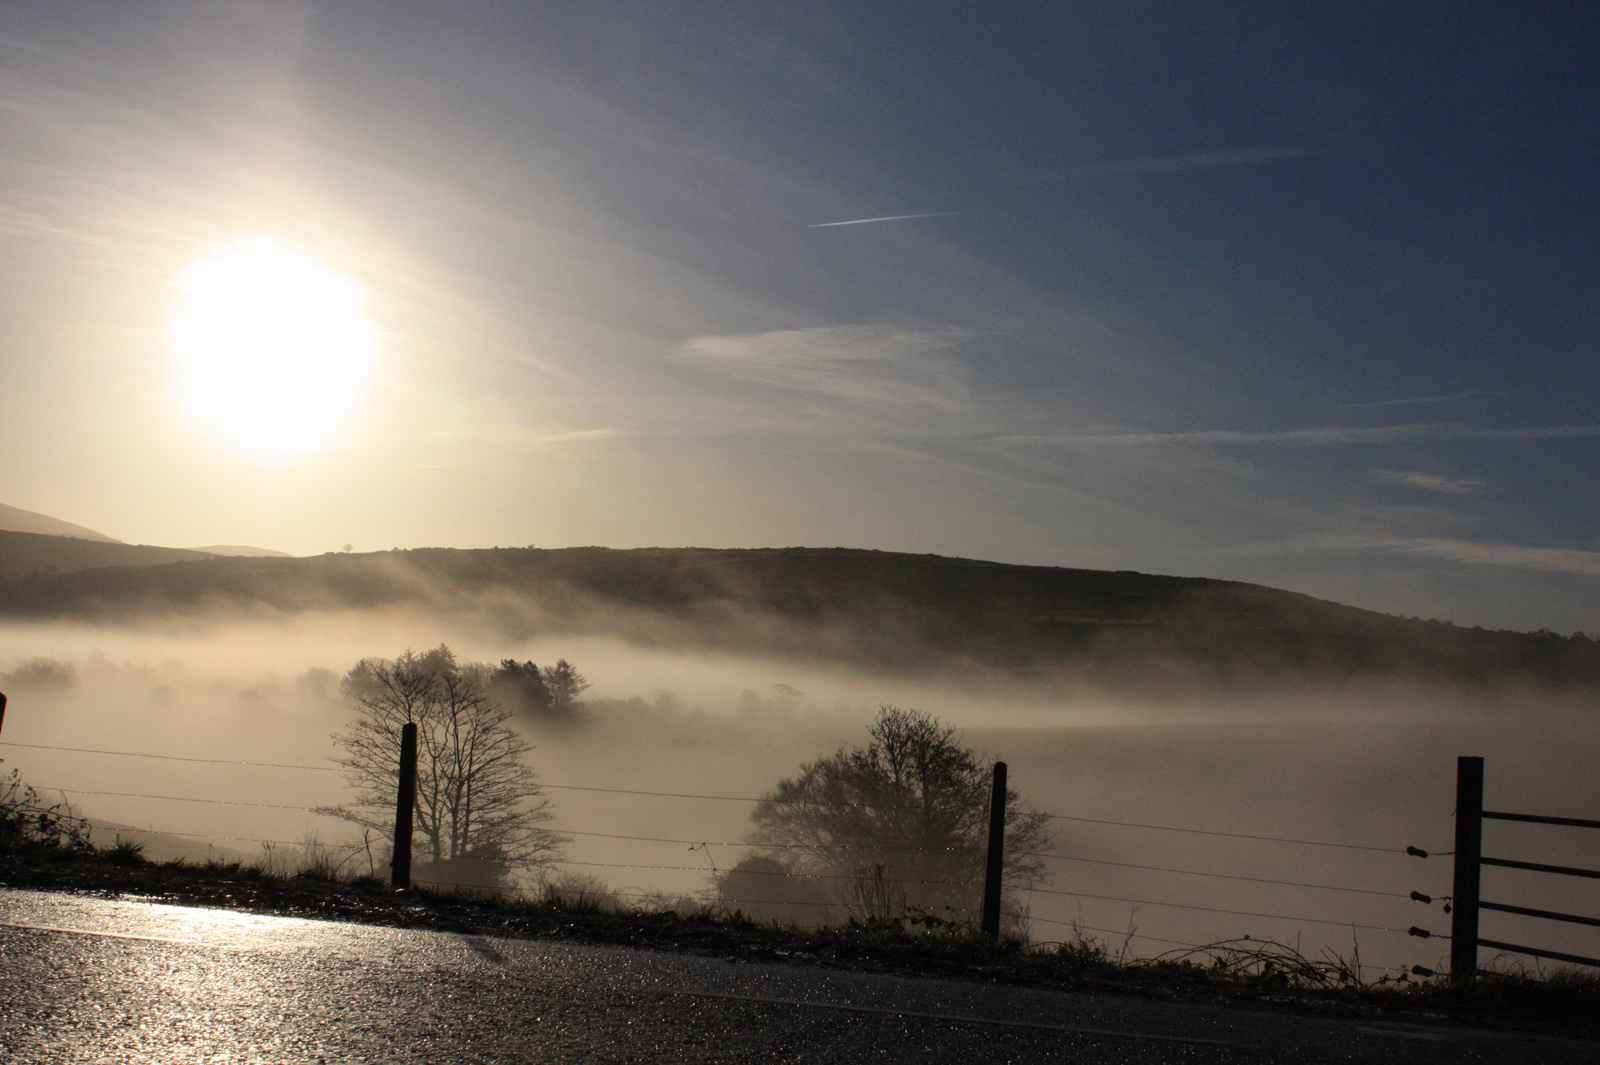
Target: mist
1369 765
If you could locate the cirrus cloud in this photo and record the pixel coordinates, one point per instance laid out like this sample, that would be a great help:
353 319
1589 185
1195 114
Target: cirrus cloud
867 365
1573 561
1318 436
1431 482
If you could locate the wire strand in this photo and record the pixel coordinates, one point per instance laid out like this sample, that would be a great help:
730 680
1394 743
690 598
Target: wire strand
1219 876
174 757
758 872
1229 835
729 798
769 846
178 798
663 895
737 798
1109 931
1214 909
542 784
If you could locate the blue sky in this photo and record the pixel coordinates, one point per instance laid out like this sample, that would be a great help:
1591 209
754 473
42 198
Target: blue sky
1296 294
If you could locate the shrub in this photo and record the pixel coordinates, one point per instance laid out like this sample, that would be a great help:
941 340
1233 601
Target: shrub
42 673
579 891
125 852
25 819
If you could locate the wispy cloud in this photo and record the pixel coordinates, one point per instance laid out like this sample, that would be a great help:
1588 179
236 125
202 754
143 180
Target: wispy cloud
575 436
1515 556
1431 482
1414 400
1234 157
1319 436
859 364
885 218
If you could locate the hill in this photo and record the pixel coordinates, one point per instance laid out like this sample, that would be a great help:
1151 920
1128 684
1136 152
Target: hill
15 519
23 553
243 551
920 614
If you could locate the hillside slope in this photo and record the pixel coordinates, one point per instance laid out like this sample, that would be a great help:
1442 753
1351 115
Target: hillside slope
242 550
15 519
23 553
893 612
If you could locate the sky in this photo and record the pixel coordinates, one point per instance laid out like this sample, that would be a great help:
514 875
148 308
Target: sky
1296 294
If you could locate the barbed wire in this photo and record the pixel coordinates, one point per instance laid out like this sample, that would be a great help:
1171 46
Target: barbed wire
608 893
786 846
861 848
1076 925
757 872
63 792
731 798
247 839
542 784
1218 876
1230 835
1215 909
745 798
173 757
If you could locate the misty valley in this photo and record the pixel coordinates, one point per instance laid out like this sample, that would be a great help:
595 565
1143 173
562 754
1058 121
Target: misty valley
1144 461
1178 798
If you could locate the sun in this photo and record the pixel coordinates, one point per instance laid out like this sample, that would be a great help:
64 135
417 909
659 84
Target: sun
271 345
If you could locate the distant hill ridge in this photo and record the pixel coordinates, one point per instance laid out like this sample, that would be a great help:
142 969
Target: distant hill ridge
23 553
920 614
243 551
15 519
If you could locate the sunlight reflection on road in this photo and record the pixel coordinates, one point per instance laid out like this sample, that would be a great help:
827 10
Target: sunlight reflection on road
135 917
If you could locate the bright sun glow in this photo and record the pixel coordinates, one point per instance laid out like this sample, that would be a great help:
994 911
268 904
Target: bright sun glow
272 345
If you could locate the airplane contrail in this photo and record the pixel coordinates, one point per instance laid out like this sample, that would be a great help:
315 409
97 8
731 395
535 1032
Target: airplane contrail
885 218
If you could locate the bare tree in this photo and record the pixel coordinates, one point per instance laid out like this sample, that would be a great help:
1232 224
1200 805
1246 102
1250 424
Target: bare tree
906 815
479 806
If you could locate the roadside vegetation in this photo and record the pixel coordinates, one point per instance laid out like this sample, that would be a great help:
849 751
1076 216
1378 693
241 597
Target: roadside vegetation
47 848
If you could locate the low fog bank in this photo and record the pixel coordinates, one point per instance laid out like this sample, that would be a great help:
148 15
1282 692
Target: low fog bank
972 627
1366 765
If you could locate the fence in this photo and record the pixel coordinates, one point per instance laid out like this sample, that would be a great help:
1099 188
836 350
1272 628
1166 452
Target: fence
1469 863
1044 902
1464 905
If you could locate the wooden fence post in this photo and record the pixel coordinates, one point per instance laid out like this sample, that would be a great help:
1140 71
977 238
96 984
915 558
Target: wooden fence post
1469 851
404 802
997 850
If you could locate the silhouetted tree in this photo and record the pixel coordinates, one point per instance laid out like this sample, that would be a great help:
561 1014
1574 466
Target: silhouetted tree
479 806
520 687
564 684
909 811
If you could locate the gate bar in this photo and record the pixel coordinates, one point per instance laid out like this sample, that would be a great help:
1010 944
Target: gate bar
1549 915
1541 819
1564 870
1576 959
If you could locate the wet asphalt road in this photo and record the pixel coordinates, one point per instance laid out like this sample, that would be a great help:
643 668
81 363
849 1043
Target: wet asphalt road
90 980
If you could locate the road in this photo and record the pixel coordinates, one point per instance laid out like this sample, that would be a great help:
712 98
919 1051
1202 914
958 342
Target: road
94 980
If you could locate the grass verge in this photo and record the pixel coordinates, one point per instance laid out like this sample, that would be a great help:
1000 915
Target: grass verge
1242 972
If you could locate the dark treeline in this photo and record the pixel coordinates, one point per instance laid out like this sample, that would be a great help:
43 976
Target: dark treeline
542 693
919 614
